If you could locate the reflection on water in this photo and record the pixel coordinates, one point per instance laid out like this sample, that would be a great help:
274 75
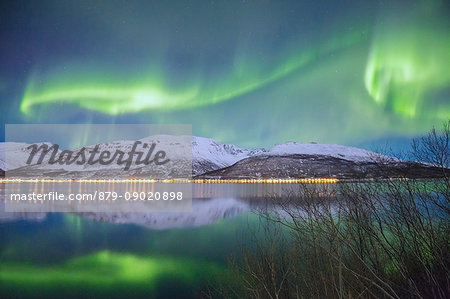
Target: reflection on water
169 254
199 190
210 203
204 212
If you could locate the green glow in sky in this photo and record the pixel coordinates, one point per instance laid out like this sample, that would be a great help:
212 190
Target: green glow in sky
251 74
407 63
105 270
115 97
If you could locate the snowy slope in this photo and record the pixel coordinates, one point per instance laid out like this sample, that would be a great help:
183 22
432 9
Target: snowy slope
207 155
176 147
333 150
14 154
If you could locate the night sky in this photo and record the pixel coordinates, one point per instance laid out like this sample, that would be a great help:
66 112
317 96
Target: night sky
252 73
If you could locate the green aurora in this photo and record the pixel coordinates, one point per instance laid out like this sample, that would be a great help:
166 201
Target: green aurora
152 93
105 273
326 72
406 64
78 257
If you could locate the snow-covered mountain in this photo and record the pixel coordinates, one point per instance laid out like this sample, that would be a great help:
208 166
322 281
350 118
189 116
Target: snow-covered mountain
301 166
178 148
332 150
15 154
207 156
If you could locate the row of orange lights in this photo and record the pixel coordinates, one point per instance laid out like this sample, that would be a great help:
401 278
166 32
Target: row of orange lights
199 181
267 181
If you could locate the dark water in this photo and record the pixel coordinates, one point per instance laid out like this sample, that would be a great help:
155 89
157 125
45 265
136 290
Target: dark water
163 255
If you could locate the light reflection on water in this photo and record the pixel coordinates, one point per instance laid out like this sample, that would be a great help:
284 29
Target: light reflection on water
205 190
160 254
211 202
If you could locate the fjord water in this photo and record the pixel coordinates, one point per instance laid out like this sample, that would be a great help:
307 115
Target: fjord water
164 254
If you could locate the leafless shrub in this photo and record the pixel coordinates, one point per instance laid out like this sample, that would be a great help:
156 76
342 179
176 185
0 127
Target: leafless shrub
378 239
433 148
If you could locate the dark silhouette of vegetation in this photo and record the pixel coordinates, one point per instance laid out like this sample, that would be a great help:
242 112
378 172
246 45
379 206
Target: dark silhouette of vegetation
377 239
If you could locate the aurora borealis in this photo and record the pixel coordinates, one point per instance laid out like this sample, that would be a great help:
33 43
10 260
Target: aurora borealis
248 73
407 63
76 256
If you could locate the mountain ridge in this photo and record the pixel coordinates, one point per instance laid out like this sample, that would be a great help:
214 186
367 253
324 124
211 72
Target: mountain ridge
211 159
